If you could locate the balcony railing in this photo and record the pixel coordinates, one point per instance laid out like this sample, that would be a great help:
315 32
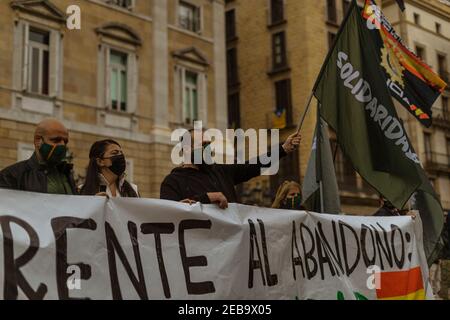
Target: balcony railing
434 160
127 4
445 76
354 184
439 113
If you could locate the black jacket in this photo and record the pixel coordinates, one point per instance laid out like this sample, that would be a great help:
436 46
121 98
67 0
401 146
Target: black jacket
31 176
190 183
385 212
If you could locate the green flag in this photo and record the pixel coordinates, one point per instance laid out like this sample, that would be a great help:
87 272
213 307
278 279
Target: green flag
357 105
320 189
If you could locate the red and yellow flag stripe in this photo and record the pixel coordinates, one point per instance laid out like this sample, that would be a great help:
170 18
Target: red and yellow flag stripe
401 285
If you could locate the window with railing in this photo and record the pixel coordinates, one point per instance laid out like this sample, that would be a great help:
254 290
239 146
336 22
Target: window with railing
191 97
276 11
39 44
416 17
126 4
232 67
189 16
230 24
118 80
234 112
445 111
438 28
331 37
279 50
283 99
438 159
442 67
448 148
331 11
420 52
427 146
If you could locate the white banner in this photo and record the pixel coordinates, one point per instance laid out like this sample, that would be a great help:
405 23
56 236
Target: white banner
60 247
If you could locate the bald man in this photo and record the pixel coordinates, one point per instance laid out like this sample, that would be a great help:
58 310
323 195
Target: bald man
46 171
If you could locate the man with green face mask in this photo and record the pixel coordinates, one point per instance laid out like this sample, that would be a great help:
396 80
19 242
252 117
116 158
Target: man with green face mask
46 171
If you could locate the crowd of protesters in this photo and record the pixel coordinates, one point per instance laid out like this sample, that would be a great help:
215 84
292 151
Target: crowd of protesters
47 171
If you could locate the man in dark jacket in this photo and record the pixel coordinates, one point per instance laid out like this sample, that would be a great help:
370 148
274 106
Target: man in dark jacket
214 183
386 209
46 171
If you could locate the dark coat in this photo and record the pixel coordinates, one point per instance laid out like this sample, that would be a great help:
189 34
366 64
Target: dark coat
29 175
194 184
385 212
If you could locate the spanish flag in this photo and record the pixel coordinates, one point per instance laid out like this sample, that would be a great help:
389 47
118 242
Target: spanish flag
401 285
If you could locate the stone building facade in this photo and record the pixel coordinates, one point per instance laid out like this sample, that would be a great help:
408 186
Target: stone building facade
275 49
134 72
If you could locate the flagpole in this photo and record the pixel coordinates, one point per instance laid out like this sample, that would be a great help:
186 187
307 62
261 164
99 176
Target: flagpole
321 196
319 173
308 104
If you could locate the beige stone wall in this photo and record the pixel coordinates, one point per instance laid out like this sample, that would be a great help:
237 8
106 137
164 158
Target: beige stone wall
80 61
306 49
149 149
6 31
307 45
254 60
144 7
253 44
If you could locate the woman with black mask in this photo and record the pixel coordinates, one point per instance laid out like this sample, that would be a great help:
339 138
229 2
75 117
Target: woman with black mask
105 174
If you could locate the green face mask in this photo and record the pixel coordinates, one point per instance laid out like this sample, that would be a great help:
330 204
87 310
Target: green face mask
52 155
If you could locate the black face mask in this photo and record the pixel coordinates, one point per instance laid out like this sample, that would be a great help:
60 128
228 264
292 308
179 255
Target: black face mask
119 164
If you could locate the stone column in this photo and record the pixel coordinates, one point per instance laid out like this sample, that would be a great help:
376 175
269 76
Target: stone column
160 69
220 74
